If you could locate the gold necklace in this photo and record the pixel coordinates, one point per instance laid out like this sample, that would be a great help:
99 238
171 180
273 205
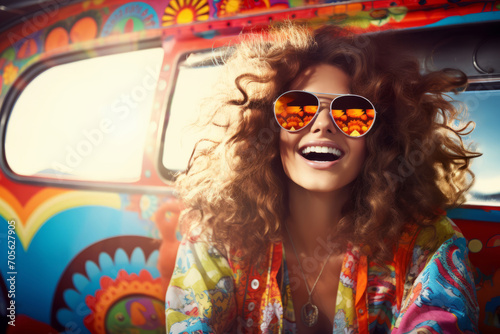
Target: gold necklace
309 311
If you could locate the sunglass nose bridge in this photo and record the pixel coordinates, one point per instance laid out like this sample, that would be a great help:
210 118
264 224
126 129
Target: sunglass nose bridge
324 104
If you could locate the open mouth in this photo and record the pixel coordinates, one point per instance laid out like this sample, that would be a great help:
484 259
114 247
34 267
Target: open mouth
321 153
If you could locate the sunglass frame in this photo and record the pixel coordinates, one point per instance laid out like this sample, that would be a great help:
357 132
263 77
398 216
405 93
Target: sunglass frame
329 113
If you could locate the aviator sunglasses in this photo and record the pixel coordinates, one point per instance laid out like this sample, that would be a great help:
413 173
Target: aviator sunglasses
354 115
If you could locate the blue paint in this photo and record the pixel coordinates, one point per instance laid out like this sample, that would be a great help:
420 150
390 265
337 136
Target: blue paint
466 19
492 216
492 305
209 34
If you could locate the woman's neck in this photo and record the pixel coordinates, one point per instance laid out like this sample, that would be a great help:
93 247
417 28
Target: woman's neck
313 216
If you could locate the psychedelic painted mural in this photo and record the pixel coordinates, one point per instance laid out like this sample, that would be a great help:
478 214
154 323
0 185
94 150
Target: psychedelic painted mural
104 278
96 257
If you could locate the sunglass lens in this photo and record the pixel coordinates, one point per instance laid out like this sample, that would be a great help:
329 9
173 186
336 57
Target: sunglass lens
294 110
353 114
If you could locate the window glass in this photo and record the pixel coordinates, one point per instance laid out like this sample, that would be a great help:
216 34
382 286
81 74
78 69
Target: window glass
482 107
195 79
85 120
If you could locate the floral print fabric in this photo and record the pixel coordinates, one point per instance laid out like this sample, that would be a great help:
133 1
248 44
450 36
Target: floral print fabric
429 288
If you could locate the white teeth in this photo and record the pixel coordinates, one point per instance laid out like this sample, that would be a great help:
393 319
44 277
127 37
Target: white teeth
322 149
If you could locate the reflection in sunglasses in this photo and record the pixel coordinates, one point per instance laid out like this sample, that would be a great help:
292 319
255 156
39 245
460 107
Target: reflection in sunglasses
354 122
294 117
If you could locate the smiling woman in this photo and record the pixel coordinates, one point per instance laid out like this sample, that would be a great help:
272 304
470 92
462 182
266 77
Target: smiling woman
299 215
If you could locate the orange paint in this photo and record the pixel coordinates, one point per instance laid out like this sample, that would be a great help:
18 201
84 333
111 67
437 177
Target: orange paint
58 37
136 314
84 29
341 9
160 311
355 7
324 11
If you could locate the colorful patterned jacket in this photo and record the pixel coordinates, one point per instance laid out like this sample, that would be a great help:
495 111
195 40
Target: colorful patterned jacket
430 287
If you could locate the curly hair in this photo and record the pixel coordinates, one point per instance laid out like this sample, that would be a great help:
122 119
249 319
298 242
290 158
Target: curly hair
416 166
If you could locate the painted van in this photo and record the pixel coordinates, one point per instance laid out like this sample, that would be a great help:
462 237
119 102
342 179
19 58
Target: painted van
96 97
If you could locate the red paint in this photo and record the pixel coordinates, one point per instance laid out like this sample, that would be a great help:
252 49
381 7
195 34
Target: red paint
129 26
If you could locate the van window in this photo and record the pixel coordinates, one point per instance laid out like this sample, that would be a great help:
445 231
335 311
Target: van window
85 120
482 107
196 75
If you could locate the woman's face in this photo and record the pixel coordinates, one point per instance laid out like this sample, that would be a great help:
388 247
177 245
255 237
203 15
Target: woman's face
348 153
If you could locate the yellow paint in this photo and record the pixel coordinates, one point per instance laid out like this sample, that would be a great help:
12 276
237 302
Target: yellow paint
232 6
174 5
170 10
200 5
475 245
9 73
186 15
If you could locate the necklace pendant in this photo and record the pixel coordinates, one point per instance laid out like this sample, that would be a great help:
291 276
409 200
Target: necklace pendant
309 314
